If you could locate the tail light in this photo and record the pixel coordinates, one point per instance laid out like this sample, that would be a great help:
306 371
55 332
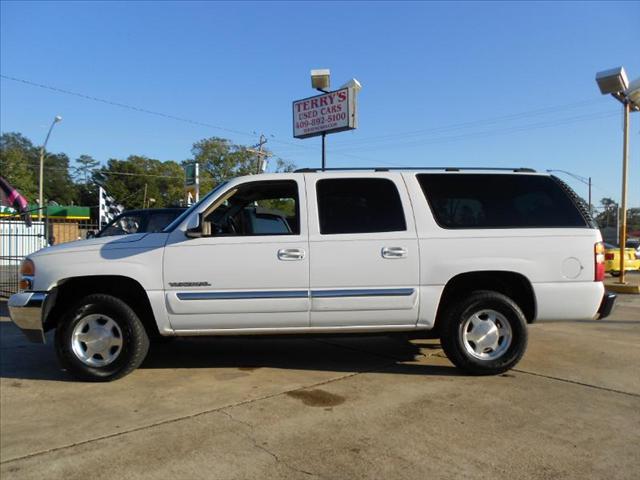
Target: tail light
608 256
599 256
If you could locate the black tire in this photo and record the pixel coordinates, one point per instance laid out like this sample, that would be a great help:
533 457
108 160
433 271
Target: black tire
615 273
454 318
135 342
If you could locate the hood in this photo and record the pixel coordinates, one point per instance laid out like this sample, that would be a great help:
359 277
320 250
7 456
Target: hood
134 240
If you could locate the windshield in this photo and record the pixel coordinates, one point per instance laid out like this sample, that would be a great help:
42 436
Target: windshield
172 226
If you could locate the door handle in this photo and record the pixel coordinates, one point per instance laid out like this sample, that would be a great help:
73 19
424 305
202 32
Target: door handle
394 252
288 254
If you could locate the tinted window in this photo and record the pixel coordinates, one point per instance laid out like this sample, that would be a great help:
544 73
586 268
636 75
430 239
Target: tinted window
499 201
359 205
258 208
263 224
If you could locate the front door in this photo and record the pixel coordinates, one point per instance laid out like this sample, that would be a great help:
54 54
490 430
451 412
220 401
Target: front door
364 251
251 271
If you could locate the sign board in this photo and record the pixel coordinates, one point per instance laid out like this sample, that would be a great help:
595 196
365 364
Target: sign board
192 182
190 174
327 113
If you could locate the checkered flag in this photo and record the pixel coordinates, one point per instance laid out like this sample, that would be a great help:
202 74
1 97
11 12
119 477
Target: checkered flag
108 208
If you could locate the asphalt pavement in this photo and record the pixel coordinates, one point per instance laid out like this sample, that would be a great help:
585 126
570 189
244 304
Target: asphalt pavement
332 408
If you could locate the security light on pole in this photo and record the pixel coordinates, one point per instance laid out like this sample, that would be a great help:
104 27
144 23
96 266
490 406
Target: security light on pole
615 82
321 79
633 93
612 81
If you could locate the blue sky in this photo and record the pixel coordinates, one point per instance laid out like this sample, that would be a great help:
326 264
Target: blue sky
462 84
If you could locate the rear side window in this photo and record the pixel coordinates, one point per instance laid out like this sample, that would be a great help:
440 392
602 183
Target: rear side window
359 205
499 201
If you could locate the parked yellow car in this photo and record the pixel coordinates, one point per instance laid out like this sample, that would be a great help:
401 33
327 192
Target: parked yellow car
612 259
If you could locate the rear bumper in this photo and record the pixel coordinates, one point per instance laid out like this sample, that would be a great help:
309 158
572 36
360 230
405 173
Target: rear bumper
26 311
607 304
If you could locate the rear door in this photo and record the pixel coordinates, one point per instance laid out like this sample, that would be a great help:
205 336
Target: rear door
363 251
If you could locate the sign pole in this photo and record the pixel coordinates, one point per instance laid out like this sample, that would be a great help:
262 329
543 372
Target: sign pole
324 135
623 206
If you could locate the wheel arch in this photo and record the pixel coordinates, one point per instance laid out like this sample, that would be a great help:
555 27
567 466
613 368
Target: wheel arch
70 290
512 284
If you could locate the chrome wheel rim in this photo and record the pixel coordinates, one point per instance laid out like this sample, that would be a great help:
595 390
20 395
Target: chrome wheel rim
486 335
96 340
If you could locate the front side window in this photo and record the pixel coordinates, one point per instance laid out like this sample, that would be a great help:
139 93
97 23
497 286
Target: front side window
258 208
359 205
460 200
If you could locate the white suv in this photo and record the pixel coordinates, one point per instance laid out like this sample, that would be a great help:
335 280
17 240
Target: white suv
470 255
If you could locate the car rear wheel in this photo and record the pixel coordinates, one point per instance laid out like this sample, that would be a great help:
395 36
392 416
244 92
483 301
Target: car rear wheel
101 339
484 334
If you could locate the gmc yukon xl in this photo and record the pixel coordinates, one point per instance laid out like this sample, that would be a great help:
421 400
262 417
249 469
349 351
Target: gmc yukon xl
470 256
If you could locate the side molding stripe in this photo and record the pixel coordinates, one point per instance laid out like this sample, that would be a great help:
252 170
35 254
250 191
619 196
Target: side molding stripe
242 295
384 292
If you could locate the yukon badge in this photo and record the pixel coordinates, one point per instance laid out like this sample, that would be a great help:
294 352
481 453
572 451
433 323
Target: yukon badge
189 284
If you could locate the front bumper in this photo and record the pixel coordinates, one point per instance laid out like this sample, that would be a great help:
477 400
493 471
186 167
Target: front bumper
26 310
606 306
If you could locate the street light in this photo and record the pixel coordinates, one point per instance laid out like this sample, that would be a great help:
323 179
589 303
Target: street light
56 119
585 180
614 82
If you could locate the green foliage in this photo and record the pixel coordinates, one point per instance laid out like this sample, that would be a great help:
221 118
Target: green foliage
125 180
220 159
284 166
58 185
86 164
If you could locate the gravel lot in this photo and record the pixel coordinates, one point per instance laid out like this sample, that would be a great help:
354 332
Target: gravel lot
376 407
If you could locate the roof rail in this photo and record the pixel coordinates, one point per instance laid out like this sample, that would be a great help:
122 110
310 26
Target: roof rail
386 169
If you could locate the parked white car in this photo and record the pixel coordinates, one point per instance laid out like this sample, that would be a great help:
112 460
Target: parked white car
471 256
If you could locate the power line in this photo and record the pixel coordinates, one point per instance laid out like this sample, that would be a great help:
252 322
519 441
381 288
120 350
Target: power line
396 136
473 123
105 172
487 133
124 105
152 112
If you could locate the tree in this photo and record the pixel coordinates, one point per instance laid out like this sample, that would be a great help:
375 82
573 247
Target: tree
18 164
283 165
58 185
607 216
127 180
219 160
86 164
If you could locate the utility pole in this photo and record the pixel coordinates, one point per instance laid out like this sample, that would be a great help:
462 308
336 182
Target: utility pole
260 152
144 199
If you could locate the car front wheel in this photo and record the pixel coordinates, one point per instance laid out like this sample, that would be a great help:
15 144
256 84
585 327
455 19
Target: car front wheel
101 339
484 334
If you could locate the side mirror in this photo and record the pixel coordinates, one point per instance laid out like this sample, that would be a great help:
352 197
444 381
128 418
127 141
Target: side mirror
90 234
196 228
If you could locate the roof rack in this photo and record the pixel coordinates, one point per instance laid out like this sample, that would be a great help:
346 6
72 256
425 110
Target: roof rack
386 169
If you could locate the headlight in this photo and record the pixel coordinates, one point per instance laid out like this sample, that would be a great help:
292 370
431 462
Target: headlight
27 271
